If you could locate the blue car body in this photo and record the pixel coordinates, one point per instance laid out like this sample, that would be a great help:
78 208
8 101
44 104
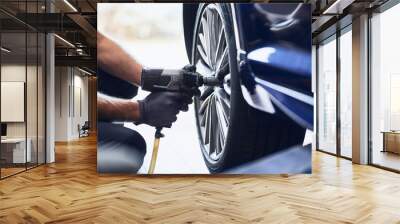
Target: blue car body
274 53
273 41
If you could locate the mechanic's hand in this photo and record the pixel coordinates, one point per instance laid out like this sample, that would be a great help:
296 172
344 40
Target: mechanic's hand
191 69
159 109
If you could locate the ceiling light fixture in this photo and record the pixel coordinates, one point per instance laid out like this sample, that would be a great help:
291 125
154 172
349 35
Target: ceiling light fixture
84 71
64 40
5 50
70 5
337 7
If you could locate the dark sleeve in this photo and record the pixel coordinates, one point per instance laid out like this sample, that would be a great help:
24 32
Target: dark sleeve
113 86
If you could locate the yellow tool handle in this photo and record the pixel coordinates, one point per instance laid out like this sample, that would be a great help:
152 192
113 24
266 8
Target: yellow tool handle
156 144
154 155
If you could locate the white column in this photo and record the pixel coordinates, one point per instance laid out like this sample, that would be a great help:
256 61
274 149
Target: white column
50 99
50 92
360 90
314 91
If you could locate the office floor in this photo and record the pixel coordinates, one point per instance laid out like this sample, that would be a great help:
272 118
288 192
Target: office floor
10 171
70 191
387 159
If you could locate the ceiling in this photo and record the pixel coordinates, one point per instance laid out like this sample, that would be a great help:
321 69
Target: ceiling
75 21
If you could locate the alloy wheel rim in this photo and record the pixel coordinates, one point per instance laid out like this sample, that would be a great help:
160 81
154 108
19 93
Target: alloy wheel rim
213 105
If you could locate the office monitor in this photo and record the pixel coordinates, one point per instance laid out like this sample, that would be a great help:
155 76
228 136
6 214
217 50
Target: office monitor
3 129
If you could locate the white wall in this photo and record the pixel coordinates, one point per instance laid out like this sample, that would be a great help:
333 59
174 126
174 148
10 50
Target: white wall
14 73
70 83
80 102
33 126
12 100
61 103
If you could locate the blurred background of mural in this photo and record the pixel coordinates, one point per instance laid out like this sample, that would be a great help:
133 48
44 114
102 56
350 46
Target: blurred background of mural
153 34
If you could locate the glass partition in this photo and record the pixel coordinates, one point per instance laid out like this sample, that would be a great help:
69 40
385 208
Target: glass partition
346 93
23 90
41 87
327 95
32 87
32 97
14 153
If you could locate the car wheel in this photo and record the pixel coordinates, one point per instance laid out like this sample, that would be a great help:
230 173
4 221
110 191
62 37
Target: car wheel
230 132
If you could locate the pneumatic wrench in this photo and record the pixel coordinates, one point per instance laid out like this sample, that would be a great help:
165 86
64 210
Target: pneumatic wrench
182 80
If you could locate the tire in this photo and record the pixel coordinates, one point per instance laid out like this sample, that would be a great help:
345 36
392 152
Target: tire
249 133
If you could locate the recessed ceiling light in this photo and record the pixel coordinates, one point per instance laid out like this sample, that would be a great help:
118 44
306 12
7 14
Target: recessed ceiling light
64 40
70 5
5 50
337 7
84 71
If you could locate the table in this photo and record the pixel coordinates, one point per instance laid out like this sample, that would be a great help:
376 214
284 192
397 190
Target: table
391 141
19 155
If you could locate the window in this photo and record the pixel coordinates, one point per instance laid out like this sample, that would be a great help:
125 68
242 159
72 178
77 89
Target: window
327 95
385 89
346 92
334 106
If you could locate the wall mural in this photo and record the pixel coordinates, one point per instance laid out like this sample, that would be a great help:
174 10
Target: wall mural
204 88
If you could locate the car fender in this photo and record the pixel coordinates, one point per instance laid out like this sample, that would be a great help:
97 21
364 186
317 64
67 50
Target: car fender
273 43
274 56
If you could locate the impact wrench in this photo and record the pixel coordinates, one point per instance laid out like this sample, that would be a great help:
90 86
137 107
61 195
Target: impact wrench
183 80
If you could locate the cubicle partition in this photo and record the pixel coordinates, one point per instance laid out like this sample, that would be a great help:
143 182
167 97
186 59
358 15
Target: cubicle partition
22 95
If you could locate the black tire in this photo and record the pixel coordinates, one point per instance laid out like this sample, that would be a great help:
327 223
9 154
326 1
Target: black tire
251 133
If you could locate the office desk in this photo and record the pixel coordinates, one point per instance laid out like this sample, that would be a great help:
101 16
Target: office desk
13 150
391 141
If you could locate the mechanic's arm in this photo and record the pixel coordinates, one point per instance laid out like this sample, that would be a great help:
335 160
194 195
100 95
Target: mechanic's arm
158 109
114 109
113 59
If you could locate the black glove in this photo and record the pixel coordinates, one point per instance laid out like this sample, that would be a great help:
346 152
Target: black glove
189 68
159 109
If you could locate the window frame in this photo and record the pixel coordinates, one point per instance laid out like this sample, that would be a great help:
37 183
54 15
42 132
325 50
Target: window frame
333 37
